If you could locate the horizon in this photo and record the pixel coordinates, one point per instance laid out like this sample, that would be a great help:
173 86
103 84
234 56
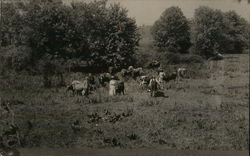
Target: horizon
146 12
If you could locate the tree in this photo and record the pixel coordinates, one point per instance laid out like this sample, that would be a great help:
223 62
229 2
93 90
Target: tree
236 36
47 26
208 31
215 31
111 37
90 32
171 31
12 23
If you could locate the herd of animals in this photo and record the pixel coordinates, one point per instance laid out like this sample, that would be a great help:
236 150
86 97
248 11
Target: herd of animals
115 80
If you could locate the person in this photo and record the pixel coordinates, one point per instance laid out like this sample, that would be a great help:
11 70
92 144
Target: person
161 77
112 86
153 85
86 87
92 84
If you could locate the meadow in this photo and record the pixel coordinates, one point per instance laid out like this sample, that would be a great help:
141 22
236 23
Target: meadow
209 111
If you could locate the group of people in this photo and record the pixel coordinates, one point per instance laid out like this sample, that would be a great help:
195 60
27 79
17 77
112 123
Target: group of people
116 81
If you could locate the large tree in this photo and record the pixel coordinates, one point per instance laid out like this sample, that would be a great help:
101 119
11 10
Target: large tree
91 32
208 30
215 31
236 37
171 31
47 24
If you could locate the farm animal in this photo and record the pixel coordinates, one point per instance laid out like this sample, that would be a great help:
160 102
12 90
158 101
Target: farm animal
170 77
144 80
154 64
137 72
119 88
181 73
134 72
104 78
124 72
111 70
78 87
216 56
9 152
93 82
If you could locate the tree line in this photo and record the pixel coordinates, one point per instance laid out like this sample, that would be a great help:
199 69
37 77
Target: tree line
98 35
210 31
93 34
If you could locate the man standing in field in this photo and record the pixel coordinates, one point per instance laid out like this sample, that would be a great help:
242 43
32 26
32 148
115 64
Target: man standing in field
153 85
86 87
160 79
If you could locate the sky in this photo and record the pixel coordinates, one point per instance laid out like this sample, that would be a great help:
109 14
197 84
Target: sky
146 12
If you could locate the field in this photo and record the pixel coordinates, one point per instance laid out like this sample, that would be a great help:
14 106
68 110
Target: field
209 111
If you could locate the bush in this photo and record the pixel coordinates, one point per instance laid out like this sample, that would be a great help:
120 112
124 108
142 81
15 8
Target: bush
173 58
171 31
11 27
16 58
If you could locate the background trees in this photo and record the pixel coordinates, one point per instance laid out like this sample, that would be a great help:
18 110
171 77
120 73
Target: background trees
90 32
236 35
12 23
208 30
215 31
171 31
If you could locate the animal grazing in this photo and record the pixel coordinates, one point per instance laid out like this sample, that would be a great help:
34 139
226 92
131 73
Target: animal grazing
144 80
119 89
104 78
111 70
181 73
136 72
170 77
79 88
216 56
9 152
154 64
124 72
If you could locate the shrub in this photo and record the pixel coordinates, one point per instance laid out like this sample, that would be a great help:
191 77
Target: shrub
17 58
173 58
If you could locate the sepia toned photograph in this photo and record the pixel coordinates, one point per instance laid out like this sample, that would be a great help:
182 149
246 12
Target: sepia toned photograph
124 77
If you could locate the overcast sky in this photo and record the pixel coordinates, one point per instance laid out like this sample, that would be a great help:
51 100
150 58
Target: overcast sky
147 11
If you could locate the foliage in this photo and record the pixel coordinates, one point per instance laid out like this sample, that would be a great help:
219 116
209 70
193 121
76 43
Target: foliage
12 23
208 30
47 26
215 31
171 31
236 36
16 57
90 32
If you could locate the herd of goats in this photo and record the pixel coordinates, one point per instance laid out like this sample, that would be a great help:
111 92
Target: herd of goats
115 80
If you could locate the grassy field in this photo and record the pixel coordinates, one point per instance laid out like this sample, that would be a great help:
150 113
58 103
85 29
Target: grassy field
210 111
